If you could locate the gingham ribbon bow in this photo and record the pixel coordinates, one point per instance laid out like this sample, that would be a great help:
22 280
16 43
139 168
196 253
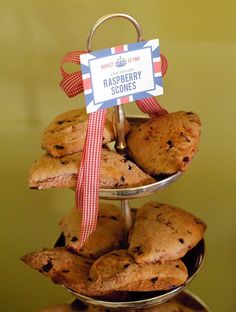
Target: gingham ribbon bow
87 187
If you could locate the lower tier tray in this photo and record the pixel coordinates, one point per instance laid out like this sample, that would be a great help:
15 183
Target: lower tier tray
133 300
185 301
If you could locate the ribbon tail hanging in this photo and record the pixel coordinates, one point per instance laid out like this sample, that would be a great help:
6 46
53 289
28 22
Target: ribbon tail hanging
91 174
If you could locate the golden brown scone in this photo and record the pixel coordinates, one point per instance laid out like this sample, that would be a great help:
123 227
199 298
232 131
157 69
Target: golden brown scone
105 238
63 268
166 144
65 135
162 232
49 172
118 271
116 172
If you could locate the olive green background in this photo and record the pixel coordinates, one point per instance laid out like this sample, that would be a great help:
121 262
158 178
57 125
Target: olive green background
199 40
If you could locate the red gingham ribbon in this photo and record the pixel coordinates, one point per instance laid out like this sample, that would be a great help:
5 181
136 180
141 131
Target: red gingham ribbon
87 187
150 105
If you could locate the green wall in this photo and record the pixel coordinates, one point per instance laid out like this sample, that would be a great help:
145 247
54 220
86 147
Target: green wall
199 40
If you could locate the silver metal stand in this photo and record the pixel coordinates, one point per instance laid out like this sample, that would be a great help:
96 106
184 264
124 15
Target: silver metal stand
153 298
120 120
120 147
119 128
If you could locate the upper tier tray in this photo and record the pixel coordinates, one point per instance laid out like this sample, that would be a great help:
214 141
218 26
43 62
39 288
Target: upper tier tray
140 191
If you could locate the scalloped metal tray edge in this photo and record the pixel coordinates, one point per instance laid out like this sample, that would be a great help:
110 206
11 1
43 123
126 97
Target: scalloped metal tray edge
186 298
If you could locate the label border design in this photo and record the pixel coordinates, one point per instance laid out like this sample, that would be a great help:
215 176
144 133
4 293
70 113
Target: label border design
86 59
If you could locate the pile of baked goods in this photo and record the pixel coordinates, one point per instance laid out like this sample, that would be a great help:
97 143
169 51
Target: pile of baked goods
160 147
161 236
152 259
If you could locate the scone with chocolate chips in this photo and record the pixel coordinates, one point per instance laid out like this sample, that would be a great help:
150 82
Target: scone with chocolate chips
105 238
162 232
118 271
116 172
166 144
63 268
49 172
65 135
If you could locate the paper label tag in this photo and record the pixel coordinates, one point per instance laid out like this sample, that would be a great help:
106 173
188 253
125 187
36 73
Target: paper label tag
121 74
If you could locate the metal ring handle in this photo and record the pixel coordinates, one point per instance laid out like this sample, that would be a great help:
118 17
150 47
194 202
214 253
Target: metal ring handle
107 17
120 121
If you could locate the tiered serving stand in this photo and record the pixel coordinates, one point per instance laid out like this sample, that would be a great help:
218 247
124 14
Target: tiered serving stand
194 258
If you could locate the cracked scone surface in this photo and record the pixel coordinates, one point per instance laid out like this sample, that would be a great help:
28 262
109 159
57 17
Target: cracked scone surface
118 271
105 238
65 135
116 172
63 268
166 144
162 232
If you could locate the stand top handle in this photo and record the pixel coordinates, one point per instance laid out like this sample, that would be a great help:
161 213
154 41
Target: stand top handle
104 18
120 121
